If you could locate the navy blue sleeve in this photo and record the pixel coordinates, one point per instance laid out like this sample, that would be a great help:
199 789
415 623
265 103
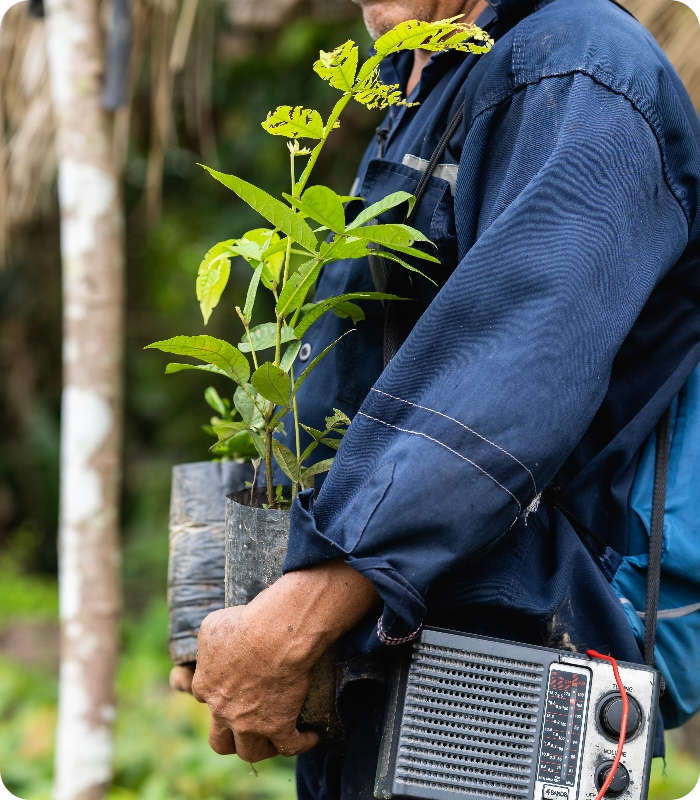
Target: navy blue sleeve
565 224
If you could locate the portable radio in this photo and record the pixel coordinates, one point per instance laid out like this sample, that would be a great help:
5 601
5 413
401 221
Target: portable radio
478 718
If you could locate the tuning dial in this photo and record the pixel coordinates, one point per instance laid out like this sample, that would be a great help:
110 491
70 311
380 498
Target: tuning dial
610 716
619 783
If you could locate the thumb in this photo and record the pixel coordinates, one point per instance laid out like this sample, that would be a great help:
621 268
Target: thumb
181 678
292 742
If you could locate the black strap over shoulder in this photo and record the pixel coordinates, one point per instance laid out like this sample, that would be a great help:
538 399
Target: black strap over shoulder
656 531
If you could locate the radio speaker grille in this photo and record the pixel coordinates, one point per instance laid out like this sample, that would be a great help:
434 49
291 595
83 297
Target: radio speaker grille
470 724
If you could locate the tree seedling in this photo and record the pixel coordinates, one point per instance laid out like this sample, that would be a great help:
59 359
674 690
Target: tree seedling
307 231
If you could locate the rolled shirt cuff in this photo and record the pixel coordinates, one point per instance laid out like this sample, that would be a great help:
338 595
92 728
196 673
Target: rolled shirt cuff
404 608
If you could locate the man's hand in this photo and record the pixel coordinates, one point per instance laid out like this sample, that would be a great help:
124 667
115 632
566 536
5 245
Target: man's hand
254 662
181 678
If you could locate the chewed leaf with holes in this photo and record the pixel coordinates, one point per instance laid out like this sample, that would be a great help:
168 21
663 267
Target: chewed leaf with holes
372 93
294 122
338 67
445 34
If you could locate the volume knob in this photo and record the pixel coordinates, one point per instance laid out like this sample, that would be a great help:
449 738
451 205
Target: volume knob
610 716
619 783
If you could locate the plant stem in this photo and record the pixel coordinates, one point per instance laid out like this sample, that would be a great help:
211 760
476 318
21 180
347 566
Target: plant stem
285 273
295 413
250 338
338 109
268 464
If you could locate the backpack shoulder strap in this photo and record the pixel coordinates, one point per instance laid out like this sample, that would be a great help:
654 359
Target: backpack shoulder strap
656 531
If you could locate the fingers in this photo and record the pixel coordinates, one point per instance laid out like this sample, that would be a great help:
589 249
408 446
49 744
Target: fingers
181 678
292 742
221 739
253 747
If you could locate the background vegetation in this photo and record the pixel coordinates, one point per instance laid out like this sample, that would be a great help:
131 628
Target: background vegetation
162 750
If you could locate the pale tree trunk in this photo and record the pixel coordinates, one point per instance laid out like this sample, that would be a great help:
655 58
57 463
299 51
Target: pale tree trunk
92 257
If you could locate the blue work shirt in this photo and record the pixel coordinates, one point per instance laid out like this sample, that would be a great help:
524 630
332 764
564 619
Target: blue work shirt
565 215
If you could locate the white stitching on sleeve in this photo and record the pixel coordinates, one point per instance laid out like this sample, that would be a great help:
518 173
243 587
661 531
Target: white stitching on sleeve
447 447
462 425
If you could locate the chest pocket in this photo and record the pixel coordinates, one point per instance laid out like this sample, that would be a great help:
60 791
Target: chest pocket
433 215
355 364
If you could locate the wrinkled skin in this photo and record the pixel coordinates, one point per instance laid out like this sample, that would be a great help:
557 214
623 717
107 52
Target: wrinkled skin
254 663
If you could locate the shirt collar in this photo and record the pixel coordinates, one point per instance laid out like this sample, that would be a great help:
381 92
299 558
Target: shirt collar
512 10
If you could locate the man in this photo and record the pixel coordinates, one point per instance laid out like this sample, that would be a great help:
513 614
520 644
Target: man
565 212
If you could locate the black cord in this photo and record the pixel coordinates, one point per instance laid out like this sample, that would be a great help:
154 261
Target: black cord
436 156
656 532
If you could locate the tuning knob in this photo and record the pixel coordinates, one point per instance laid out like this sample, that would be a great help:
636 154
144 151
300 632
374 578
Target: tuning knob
610 716
619 783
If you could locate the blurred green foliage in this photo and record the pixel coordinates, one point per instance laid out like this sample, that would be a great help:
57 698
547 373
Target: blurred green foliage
162 749
161 736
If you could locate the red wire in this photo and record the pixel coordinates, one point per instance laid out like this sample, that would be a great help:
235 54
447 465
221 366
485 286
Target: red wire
623 722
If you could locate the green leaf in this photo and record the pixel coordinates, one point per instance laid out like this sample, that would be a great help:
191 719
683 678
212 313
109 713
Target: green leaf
240 445
297 287
265 336
225 429
313 364
247 248
272 383
274 210
413 251
371 92
286 460
390 235
339 248
368 67
244 399
317 469
338 67
347 310
316 310
314 433
251 293
323 205
294 123
289 355
173 367
212 276
213 351
406 265
259 443
266 248
390 201
309 448
337 419
445 34
214 400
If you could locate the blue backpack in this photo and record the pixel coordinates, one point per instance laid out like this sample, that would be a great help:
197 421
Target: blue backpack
664 565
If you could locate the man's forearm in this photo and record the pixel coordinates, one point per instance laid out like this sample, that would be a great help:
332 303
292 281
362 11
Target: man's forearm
320 605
